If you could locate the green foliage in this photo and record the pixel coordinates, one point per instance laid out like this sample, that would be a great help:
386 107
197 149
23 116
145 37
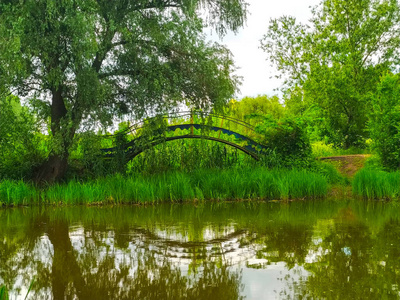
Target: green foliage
336 61
255 106
287 141
331 174
321 149
384 124
373 163
86 159
120 141
22 145
376 184
91 61
188 155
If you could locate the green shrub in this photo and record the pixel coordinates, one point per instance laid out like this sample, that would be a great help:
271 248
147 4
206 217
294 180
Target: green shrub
86 160
21 143
288 140
321 149
187 155
384 123
373 163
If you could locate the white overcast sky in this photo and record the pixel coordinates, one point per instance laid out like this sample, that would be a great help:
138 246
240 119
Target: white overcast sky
245 45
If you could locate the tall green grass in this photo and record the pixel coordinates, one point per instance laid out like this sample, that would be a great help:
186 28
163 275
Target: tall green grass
204 184
259 183
329 172
377 184
14 192
3 293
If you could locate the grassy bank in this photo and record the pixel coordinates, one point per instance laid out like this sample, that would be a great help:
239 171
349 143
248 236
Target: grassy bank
376 184
230 184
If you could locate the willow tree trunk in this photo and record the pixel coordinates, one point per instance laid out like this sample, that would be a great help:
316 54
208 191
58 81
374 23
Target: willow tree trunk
65 268
55 167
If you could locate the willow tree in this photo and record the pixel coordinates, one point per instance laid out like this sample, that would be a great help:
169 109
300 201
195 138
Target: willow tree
85 61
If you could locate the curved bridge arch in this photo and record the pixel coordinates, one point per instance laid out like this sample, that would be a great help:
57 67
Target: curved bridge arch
157 136
131 154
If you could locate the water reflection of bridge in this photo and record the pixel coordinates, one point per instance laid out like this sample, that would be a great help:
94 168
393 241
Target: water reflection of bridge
132 252
228 246
187 125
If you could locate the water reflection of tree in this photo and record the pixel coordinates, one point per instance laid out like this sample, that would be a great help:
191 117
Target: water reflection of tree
154 276
351 263
101 271
20 233
287 243
351 258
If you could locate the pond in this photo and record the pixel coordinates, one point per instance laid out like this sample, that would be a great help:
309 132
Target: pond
239 250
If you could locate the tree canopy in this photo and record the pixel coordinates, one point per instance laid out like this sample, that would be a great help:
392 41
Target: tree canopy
249 108
85 61
384 122
337 59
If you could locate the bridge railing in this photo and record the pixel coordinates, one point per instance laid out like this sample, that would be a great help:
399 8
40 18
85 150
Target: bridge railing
188 117
196 123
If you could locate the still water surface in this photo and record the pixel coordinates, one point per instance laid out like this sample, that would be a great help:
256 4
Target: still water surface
296 250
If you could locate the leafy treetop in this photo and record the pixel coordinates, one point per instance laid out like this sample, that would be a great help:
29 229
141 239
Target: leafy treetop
85 61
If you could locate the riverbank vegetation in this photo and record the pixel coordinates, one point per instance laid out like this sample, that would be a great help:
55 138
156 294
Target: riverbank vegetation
229 184
377 184
339 98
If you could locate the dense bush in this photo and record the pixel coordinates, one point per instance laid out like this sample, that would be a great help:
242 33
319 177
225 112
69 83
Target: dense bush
260 106
286 141
86 159
22 145
384 124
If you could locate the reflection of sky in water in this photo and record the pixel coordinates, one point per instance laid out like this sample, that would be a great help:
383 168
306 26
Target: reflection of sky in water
261 279
277 260
42 252
270 282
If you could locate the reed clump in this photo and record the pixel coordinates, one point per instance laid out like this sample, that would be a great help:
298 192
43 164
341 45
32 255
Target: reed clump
203 184
17 192
3 293
377 184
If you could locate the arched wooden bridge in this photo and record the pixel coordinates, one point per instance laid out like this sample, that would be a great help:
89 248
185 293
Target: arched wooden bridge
154 131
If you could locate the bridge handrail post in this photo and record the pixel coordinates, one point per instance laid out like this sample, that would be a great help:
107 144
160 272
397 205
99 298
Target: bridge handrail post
191 122
222 123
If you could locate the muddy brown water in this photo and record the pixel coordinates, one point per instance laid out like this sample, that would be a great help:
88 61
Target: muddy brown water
247 250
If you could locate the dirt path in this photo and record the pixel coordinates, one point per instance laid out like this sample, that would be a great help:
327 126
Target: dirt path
347 165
